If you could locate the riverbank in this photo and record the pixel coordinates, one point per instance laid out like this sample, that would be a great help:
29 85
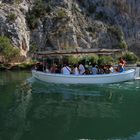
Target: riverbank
17 66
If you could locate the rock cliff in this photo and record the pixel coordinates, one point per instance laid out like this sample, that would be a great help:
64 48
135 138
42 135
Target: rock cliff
71 24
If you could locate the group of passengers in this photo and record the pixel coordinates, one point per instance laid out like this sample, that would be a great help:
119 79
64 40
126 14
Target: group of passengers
81 69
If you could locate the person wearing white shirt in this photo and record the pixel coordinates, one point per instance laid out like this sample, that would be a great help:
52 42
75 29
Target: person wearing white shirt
66 70
81 68
75 70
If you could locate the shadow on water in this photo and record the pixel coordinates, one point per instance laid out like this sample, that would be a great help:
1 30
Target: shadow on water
41 111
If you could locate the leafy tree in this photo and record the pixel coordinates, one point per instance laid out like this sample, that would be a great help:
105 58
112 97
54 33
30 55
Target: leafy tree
7 51
130 57
93 58
37 12
73 59
105 60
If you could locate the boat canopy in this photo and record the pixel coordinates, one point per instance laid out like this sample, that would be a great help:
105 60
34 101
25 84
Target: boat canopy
79 51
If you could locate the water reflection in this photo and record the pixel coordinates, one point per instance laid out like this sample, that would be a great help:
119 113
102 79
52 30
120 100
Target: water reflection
96 112
34 110
15 98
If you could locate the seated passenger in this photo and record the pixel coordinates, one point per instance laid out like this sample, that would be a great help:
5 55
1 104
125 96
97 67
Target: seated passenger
53 68
120 68
66 70
94 69
75 70
58 69
111 69
122 61
100 69
81 68
39 66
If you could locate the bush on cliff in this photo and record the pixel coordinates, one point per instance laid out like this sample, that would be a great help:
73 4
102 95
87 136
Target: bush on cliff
8 52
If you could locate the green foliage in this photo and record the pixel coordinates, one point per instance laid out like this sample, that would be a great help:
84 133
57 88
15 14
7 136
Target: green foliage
123 45
38 11
2 67
73 59
18 1
92 58
11 17
33 48
61 13
32 21
119 34
7 50
116 31
103 60
39 8
130 57
25 65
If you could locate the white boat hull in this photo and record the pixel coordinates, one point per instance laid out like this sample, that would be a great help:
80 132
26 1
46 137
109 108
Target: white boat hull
84 79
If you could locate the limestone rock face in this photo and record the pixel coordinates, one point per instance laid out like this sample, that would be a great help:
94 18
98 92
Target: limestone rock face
71 24
13 25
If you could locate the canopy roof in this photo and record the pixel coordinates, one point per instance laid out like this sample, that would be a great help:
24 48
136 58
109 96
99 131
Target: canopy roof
78 51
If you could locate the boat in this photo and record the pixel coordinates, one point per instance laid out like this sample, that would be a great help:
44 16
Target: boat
84 79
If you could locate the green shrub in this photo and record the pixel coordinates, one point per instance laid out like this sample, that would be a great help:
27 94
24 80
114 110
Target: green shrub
18 1
2 67
122 45
7 50
130 57
32 21
11 17
33 47
116 31
61 13
92 58
73 59
39 8
38 11
103 60
25 65
119 35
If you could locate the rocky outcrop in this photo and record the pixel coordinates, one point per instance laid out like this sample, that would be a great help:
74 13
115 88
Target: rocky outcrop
71 24
13 25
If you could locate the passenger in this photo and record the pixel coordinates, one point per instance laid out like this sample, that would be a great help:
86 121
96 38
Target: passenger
58 69
101 70
122 61
90 68
81 68
121 68
94 69
75 70
121 65
105 69
39 66
87 71
111 69
46 70
53 68
66 70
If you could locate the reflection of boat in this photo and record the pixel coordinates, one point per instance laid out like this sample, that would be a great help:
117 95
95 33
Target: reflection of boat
84 79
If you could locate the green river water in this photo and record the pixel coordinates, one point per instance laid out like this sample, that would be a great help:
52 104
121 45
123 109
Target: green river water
33 110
